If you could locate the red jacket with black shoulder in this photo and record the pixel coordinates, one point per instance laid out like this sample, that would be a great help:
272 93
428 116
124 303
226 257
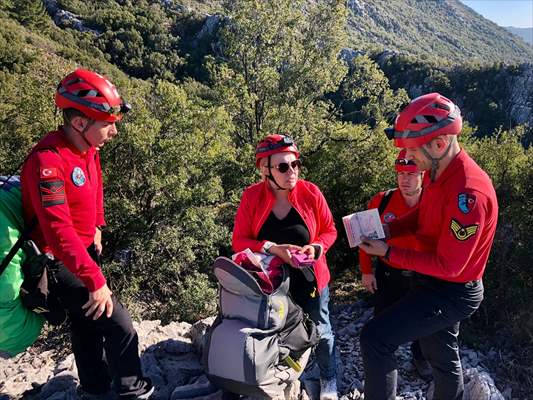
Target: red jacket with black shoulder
63 189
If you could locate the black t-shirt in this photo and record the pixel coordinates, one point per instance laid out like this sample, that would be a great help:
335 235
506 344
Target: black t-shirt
290 230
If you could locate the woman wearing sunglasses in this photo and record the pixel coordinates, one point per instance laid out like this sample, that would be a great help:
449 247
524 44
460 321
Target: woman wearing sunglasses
281 215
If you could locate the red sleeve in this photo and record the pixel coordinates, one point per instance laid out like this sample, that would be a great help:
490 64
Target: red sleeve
459 237
100 221
49 201
326 232
365 260
243 236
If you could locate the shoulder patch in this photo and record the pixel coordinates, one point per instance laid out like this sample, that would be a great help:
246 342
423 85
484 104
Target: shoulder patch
78 177
52 192
388 217
48 173
465 202
461 232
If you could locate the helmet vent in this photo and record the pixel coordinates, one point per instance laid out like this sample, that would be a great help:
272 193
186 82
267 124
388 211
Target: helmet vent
441 106
87 93
424 119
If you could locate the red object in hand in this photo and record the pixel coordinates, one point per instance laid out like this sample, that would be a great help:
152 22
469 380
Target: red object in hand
302 260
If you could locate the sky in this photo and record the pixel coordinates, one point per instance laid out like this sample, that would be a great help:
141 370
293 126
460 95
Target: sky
518 13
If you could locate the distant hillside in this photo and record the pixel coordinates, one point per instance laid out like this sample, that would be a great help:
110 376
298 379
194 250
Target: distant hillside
524 33
444 29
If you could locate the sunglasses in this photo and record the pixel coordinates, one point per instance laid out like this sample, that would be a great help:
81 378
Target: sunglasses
122 109
404 161
283 167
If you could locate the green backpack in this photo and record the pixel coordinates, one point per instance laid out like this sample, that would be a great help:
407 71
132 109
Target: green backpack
19 327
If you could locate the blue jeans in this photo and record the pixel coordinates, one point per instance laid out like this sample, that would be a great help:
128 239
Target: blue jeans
318 310
431 313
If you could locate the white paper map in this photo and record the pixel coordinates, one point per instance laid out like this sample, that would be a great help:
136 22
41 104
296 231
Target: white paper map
363 223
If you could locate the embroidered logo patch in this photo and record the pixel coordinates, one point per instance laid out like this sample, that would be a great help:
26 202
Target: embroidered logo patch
461 232
78 177
48 173
389 217
465 202
52 193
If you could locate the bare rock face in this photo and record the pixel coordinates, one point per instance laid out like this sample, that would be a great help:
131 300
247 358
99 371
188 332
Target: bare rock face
521 95
170 356
65 18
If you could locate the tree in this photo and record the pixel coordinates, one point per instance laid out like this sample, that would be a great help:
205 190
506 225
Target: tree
365 95
165 200
279 60
32 14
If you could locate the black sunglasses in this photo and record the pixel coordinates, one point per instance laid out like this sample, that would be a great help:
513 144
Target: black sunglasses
404 161
284 167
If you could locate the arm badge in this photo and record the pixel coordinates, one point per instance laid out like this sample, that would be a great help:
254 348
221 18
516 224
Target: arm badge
465 202
52 193
461 232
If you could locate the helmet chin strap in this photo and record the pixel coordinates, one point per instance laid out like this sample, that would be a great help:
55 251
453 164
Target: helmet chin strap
83 133
269 176
435 161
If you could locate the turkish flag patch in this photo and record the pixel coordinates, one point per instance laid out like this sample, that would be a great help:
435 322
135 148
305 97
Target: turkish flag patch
52 193
48 173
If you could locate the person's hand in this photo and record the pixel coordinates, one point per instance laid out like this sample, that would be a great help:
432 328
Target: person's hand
374 247
283 251
98 241
99 301
369 282
309 250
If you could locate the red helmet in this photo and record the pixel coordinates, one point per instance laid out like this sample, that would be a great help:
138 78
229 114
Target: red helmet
425 118
273 144
402 164
92 94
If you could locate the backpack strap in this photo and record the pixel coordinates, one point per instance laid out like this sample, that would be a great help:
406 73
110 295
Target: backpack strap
385 200
27 231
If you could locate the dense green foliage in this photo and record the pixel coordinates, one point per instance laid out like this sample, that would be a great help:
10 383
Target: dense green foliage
174 176
490 95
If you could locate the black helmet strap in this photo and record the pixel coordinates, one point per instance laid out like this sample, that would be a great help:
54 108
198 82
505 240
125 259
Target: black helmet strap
269 176
435 161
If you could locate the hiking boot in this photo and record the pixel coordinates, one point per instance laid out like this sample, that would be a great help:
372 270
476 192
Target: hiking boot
147 394
144 392
328 389
423 368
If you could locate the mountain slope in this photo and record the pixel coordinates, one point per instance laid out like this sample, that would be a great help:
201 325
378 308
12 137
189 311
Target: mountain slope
441 29
524 33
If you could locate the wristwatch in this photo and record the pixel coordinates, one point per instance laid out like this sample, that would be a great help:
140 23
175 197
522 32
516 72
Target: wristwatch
267 246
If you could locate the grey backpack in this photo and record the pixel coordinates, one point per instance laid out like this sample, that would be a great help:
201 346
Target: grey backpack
258 343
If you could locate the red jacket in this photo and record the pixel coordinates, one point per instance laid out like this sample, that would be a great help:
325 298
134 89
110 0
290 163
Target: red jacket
63 188
256 204
455 224
396 207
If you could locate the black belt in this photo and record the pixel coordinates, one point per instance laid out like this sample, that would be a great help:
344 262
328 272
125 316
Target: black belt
430 279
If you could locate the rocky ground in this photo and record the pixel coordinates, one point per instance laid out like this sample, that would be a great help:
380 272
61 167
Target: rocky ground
170 358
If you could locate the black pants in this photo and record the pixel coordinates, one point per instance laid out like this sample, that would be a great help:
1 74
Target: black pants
393 284
431 313
121 363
